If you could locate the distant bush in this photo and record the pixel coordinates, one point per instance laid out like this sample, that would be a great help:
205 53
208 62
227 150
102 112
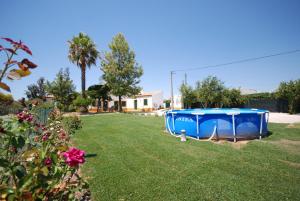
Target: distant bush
8 105
260 96
71 108
290 91
82 103
6 99
44 105
211 92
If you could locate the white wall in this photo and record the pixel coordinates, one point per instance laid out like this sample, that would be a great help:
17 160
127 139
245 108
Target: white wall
154 101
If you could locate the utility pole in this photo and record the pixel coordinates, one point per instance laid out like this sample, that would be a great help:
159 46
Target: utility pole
172 96
185 79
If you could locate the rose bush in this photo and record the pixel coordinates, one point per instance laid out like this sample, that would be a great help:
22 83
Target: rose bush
37 161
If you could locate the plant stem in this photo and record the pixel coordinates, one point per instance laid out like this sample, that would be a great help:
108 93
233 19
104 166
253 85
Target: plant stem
7 64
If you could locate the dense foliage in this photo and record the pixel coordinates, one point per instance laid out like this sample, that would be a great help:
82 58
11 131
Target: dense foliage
63 89
37 90
8 104
188 95
121 71
6 99
71 124
82 103
37 161
99 92
211 92
83 53
290 91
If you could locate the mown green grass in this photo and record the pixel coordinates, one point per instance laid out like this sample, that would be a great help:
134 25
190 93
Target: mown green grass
136 160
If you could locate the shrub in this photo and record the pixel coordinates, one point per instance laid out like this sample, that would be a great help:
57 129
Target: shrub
290 91
71 124
44 105
211 92
82 103
37 161
6 99
8 105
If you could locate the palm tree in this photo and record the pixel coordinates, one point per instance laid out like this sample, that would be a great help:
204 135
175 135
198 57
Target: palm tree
83 53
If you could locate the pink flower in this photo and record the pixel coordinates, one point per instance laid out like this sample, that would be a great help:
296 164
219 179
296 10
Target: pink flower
74 157
45 136
62 134
48 162
25 116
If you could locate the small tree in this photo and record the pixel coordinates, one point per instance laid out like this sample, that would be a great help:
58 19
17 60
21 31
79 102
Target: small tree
290 91
210 91
100 92
37 90
232 98
82 104
188 95
121 71
62 88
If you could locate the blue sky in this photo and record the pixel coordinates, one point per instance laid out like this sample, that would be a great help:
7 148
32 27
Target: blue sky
165 35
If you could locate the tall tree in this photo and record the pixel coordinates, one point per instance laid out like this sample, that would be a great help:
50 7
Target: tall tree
37 90
100 92
62 88
121 71
83 53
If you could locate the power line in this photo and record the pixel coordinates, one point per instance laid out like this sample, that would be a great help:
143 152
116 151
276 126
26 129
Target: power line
239 61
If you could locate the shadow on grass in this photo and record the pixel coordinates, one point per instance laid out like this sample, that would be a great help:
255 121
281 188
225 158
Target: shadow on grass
268 134
90 155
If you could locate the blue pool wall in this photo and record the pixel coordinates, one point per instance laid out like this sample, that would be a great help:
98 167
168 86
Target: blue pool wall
247 122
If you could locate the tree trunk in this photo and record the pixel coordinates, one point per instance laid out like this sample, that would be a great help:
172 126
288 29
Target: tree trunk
102 105
98 103
120 104
83 81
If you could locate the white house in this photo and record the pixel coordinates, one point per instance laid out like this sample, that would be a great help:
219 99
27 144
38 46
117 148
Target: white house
145 101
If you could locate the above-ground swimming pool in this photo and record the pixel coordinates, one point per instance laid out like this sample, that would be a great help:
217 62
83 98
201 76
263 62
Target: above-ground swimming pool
218 123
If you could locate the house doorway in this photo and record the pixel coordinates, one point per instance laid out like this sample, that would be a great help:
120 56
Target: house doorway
135 104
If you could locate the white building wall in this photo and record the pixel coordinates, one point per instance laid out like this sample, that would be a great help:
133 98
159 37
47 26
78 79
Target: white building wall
130 103
154 101
141 102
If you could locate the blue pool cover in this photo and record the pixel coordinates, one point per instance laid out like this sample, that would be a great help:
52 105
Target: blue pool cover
232 123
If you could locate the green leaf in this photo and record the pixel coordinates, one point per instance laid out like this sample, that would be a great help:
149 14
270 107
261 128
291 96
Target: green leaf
20 171
45 171
4 163
21 142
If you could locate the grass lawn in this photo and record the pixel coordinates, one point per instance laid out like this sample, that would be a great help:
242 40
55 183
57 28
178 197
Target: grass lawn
136 160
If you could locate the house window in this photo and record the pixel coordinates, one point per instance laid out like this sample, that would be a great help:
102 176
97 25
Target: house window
145 102
123 103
